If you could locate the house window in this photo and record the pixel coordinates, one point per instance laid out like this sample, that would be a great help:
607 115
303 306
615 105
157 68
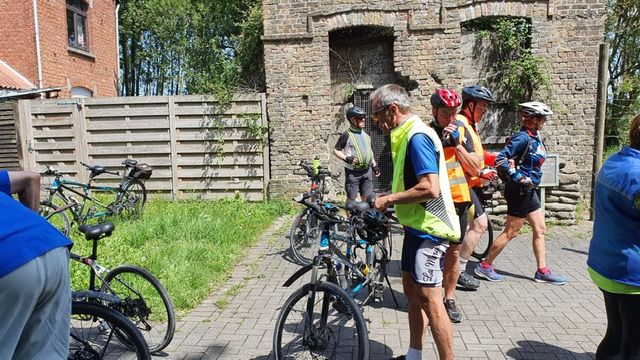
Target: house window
80 92
77 24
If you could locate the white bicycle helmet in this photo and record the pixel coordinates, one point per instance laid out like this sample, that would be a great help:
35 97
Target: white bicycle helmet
534 108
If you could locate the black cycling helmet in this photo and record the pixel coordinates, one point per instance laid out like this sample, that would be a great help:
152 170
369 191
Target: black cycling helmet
534 108
354 111
374 226
477 92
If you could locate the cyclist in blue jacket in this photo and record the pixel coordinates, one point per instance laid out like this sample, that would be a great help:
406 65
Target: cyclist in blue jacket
614 252
35 294
522 159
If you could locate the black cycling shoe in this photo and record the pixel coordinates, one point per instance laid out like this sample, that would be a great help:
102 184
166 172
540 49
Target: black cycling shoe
468 282
452 310
401 357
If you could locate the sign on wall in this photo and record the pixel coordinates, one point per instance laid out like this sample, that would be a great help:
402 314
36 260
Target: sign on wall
551 171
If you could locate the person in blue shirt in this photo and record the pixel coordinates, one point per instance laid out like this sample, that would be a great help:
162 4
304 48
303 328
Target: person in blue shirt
35 293
424 206
614 251
522 160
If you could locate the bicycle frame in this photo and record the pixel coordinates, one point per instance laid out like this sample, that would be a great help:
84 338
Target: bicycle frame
77 208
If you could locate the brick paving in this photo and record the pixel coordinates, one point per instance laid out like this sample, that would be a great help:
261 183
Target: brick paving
514 319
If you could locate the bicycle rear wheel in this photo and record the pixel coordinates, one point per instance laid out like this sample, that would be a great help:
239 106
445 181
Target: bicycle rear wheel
329 327
55 217
94 332
145 302
305 236
131 202
484 243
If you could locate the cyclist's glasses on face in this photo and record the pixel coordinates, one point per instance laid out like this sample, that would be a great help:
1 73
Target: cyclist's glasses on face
374 115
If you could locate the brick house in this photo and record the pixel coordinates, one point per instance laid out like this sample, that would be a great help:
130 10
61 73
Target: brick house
71 44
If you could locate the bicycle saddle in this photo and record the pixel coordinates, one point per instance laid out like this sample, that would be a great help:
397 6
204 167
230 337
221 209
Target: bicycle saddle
130 162
357 207
96 232
97 170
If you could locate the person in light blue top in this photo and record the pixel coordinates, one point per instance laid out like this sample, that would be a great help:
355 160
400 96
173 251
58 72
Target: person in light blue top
35 293
614 251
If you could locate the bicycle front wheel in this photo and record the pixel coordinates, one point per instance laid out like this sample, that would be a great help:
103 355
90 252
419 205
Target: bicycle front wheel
132 199
305 236
484 243
93 327
145 302
320 322
55 217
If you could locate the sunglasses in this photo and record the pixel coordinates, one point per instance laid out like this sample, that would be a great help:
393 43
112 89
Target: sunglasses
374 115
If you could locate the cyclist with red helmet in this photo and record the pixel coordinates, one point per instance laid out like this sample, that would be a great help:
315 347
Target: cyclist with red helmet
475 101
354 148
455 140
528 152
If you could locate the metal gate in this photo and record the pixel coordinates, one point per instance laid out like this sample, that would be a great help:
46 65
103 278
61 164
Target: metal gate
380 143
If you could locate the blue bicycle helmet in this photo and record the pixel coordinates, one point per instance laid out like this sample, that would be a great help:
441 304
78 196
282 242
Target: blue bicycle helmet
477 92
354 111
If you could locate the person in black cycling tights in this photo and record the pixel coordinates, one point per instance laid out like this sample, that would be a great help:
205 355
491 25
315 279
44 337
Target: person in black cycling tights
475 101
527 148
354 148
614 255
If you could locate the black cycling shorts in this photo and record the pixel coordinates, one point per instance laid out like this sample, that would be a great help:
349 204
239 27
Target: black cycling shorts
520 201
358 181
462 210
476 193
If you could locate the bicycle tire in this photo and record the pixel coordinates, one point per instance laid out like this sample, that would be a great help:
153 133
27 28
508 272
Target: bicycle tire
91 333
304 240
145 302
484 242
131 201
55 217
334 300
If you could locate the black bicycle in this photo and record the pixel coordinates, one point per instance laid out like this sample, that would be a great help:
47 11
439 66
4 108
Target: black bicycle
71 201
320 319
97 331
484 243
305 231
141 297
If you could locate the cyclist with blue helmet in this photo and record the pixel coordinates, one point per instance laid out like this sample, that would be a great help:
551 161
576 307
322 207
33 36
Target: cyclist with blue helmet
354 148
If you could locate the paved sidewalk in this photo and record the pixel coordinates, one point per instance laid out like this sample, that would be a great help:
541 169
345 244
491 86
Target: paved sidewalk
515 319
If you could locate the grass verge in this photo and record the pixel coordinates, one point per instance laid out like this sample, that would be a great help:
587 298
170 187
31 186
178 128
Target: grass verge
190 246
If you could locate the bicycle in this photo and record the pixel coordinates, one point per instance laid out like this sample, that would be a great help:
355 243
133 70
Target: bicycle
130 195
304 232
484 243
94 327
140 296
321 318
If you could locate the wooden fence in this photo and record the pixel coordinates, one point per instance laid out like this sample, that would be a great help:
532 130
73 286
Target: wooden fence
199 148
8 138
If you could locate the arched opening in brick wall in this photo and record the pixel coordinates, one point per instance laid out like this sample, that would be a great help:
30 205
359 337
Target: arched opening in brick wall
478 56
361 59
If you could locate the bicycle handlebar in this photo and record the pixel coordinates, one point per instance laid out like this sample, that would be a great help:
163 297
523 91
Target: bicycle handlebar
310 172
106 171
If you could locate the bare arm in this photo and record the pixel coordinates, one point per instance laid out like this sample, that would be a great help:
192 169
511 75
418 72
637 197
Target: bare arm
339 154
470 161
427 188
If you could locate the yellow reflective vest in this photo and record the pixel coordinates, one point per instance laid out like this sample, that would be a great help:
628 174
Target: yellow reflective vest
435 216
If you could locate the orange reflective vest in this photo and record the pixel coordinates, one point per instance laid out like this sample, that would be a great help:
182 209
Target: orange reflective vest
455 172
473 181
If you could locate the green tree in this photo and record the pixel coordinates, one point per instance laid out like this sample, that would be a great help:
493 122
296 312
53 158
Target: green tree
190 46
622 32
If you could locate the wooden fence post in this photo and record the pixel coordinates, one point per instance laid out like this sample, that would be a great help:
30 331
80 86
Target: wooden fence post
25 135
173 146
80 135
266 176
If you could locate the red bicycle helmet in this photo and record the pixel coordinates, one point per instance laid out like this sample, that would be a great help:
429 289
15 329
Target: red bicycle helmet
444 97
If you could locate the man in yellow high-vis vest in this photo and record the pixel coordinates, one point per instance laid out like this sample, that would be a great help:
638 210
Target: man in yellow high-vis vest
424 206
